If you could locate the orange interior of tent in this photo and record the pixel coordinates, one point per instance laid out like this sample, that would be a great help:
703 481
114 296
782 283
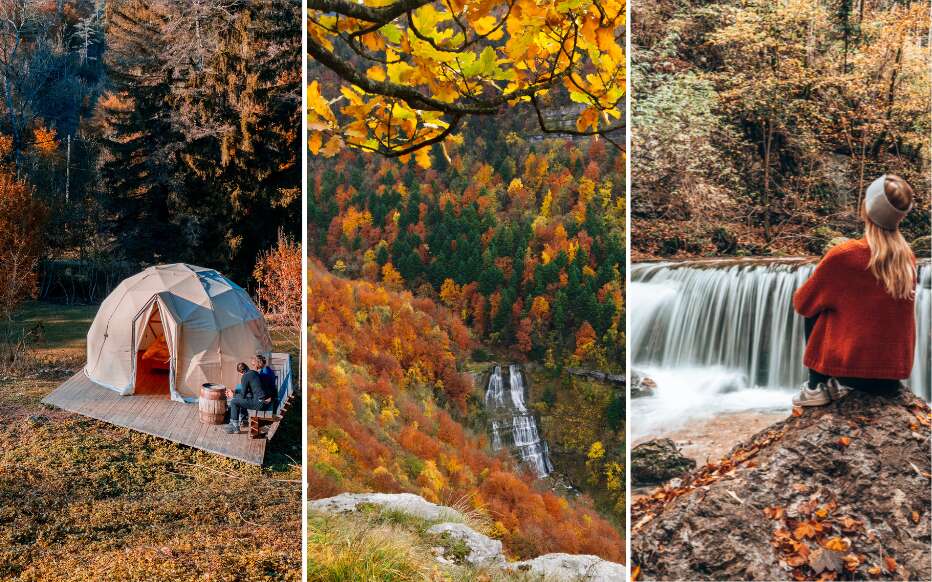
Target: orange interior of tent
153 362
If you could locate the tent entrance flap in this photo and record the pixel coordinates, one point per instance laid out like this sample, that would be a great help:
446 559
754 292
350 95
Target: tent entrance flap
153 356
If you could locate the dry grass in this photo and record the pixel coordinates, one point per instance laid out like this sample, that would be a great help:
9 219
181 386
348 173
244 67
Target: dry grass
85 500
386 546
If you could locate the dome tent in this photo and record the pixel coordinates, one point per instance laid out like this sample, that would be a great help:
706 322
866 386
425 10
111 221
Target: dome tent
171 328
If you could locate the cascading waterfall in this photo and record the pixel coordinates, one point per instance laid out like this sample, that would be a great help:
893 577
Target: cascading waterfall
722 335
512 425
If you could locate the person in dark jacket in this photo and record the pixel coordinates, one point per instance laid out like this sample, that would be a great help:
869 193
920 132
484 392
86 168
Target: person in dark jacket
250 395
266 375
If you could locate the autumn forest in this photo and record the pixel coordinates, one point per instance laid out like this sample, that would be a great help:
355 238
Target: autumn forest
758 125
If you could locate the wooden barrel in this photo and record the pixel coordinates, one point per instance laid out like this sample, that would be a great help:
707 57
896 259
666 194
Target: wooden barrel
212 404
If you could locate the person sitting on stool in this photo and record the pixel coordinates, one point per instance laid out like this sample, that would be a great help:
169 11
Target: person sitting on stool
250 395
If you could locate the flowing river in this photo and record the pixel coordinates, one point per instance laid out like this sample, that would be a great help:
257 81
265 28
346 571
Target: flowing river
721 336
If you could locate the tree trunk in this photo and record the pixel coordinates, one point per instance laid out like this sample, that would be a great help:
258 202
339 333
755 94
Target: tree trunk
861 168
768 142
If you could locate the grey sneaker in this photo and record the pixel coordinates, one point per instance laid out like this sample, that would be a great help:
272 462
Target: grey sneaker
231 428
836 390
818 396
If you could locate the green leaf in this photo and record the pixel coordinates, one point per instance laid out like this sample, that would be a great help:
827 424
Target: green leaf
391 32
487 61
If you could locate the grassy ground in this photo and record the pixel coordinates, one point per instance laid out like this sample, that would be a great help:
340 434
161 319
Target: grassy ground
85 500
388 546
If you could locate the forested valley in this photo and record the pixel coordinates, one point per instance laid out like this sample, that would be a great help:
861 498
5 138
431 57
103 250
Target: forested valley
758 125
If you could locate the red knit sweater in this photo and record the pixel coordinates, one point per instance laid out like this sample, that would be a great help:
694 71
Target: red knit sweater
862 331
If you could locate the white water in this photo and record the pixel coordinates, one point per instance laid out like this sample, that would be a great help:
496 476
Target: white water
512 425
722 336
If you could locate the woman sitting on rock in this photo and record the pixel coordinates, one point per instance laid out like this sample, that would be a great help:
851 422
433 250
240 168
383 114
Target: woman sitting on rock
859 304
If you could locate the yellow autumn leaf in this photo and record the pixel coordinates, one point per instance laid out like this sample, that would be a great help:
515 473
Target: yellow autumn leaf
376 73
589 118
314 140
422 157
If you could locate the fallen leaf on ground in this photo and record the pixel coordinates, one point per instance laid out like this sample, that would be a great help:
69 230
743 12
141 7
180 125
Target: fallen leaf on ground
821 560
844 441
836 544
890 563
851 562
774 512
804 530
848 523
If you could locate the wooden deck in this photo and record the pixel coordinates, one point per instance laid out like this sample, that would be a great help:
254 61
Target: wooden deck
157 416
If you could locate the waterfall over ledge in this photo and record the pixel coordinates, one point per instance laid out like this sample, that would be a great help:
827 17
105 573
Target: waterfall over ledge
737 315
511 424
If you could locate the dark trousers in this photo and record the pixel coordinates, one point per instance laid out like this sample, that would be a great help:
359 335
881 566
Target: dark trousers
240 407
872 385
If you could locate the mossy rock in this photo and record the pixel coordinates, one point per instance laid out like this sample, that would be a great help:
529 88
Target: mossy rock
820 239
658 461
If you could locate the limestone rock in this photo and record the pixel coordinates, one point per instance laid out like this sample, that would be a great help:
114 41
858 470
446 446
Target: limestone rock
571 568
658 461
408 503
483 550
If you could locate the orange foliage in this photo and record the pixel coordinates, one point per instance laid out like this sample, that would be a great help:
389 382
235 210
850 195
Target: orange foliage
22 218
278 275
46 140
384 398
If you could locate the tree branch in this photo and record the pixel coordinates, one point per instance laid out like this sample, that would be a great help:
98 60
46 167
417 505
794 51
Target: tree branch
376 15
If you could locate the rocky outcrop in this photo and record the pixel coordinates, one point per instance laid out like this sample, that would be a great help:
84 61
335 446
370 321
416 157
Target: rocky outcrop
457 543
483 551
408 503
840 491
581 568
616 379
657 461
641 385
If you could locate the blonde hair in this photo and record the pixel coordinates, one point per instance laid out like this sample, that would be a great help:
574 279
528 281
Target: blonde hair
892 260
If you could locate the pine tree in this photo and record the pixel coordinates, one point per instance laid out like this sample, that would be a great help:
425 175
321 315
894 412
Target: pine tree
136 134
240 116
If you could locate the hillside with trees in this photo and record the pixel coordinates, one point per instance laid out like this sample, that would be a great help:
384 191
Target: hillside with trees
522 238
758 125
388 405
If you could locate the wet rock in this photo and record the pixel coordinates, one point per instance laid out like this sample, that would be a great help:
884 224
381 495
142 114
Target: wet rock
616 379
408 503
571 567
483 550
658 461
641 385
848 477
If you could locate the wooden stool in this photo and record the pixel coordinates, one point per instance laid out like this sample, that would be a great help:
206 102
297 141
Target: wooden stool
259 425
